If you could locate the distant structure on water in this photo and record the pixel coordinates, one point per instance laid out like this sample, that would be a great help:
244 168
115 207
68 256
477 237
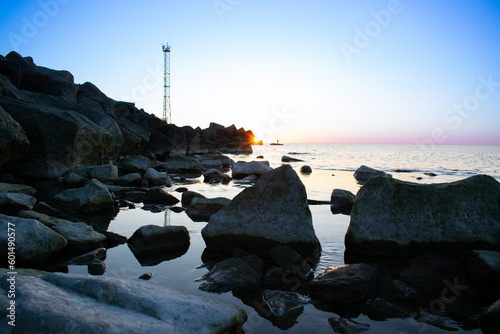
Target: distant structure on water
167 111
277 143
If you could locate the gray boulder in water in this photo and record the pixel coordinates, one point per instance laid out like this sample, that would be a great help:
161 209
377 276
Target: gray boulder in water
242 169
94 196
274 211
393 217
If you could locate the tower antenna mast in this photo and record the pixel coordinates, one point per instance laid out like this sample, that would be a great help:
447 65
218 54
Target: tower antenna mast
167 112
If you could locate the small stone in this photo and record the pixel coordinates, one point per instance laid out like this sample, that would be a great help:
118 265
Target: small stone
306 169
146 276
96 267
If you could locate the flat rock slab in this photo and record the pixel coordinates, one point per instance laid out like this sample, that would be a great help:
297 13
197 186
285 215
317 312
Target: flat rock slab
61 303
394 217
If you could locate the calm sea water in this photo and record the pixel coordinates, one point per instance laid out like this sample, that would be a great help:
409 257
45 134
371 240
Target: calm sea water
333 167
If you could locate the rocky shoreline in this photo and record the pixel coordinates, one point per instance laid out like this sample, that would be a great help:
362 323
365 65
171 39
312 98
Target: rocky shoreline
71 158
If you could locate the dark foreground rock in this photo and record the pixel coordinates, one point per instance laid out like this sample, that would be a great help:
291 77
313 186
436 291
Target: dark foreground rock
393 217
49 126
273 211
57 303
363 173
151 239
345 284
341 201
93 197
490 319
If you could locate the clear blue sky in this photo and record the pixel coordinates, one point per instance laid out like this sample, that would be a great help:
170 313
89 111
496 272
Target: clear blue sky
408 71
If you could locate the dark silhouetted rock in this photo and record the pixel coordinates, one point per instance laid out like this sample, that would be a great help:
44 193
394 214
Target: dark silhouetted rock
129 180
490 319
135 163
484 267
156 178
363 173
347 326
188 196
158 195
103 173
345 284
14 143
393 217
215 176
286 158
182 164
12 203
341 201
151 239
306 169
85 259
96 267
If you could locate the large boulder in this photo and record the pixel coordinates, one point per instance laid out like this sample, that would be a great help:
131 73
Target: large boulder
363 173
35 243
216 159
490 319
215 176
14 143
393 217
62 303
84 136
273 211
242 169
93 197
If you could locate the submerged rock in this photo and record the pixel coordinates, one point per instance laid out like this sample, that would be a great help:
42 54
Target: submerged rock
393 217
345 284
274 211
36 242
242 169
341 201
233 273
347 326
109 305
363 173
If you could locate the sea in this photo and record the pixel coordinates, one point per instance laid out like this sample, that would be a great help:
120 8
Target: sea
333 167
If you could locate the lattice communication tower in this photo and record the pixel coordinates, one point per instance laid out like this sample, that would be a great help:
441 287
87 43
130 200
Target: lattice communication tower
167 112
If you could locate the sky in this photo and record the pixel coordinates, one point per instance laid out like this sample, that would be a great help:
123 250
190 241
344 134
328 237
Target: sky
336 71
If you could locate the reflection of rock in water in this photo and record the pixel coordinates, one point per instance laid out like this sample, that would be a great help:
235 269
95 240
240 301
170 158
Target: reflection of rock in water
282 308
149 260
